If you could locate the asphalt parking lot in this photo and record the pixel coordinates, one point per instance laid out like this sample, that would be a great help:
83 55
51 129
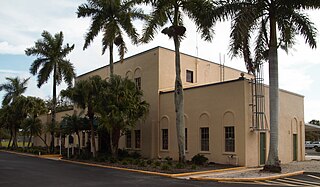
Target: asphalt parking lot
312 152
17 170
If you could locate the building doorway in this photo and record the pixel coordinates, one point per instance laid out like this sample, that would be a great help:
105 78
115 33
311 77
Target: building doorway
262 148
295 147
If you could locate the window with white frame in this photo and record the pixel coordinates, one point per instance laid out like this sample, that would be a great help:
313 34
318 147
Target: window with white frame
138 82
204 134
165 139
229 139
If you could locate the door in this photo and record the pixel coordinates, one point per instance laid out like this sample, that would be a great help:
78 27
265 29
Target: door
295 147
262 148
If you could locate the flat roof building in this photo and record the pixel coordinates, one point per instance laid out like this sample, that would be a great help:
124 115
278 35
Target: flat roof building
226 113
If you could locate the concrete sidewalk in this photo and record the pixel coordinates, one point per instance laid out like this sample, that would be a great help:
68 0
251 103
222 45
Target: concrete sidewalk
312 157
239 175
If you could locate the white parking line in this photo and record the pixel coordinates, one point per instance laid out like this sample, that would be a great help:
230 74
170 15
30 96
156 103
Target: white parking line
314 176
298 180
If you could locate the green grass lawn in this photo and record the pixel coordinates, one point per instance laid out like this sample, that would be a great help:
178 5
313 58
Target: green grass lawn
20 144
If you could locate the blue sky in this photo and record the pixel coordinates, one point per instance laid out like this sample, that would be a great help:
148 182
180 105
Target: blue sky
22 23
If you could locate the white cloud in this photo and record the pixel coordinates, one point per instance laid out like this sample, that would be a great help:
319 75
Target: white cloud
6 48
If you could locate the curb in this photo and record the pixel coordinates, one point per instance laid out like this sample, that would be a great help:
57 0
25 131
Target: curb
32 155
118 168
249 179
205 172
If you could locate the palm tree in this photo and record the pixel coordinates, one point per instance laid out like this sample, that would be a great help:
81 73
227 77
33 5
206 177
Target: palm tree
120 107
268 17
51 56
18 114
112 18
72 124
83 94
6 120
170 11
14 88
35 108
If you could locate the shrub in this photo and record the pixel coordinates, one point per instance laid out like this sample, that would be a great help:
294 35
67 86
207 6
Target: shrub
84 156
193 166
113 160
165 167
142 163
318 149
157 163
124 162
122 153
149 162
130 160
136 162
199 159
135 155
168 158
180 165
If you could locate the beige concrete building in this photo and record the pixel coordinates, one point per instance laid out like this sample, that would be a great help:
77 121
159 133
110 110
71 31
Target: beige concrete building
226 115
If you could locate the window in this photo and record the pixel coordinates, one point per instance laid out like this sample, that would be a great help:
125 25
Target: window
137 137
229 139
189 76
165 139
138 82
186 138
204 139
128 139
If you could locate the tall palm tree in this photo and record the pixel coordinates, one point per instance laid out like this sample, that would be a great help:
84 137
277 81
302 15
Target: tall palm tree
171 11
83 94
268 18
120 107
13 88
51 59
113 18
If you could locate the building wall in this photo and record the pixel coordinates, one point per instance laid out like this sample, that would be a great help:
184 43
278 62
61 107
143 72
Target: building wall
229 104
144 65
204 72
215 106
291 118
45 119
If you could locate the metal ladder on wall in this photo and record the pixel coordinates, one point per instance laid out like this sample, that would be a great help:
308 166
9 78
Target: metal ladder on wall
259 121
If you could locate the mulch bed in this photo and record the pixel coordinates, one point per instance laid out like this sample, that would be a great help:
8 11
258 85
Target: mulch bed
171 170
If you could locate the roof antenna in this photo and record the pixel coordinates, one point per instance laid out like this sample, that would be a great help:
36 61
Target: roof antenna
197 49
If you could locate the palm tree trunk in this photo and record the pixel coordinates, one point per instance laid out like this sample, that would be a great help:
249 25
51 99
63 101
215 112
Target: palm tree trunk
273 163
78 141
14 141
178 95
24 141
29 142
93 140
111 59
11 134
114 142
44 141
54 103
